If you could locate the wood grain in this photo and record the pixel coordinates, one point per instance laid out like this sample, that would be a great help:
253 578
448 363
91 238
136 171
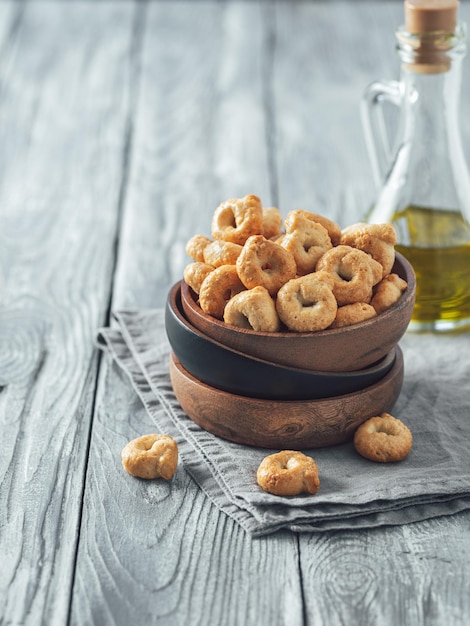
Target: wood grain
296 425
62 80
122 126
162 553
410 575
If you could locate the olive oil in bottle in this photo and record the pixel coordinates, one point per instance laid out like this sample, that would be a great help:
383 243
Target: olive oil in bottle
438 247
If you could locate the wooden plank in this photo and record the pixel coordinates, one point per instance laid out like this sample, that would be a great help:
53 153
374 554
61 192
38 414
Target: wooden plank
163 553
201 133
318 81
416 574
63 111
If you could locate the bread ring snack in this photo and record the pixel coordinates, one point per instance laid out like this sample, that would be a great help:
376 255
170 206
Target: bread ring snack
195 247
272 222
350 314
384 439
253 309
378 240
221 252
307 303
333 229
306 240
151 456
264 263
354 273
217 289
388 292
195 273
288 473
236 220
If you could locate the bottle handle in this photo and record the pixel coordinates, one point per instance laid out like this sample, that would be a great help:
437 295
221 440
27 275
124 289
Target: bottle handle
373 122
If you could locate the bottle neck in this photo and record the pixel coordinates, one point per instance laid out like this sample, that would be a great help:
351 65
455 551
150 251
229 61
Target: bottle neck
431 75
435 97
431 53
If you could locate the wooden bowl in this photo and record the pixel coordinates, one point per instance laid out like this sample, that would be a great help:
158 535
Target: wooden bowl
336 350
237 373
283 425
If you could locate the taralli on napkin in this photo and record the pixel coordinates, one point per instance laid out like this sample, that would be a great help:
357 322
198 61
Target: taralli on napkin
384 439
288 473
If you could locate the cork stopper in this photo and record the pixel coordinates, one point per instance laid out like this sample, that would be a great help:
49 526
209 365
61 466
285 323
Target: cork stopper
427 16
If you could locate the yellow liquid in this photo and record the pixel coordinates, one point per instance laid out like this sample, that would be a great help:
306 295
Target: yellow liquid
439 250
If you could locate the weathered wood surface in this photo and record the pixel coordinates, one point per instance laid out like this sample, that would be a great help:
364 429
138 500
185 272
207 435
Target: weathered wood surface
122 125
63 115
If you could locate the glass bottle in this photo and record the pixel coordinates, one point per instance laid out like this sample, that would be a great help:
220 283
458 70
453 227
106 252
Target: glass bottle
424 183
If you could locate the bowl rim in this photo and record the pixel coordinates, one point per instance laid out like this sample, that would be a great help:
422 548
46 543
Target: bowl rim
181 319
189 296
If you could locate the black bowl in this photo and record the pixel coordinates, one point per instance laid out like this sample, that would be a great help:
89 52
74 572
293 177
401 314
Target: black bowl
234 372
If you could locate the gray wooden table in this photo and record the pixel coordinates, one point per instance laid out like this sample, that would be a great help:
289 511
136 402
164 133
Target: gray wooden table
122 126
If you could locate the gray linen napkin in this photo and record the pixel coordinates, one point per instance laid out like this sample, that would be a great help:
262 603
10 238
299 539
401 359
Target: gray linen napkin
355 493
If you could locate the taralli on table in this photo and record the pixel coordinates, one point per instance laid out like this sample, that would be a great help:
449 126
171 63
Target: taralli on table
151 456
253 309
288 473
195 273
388 292
236 220
306 240
263 263
384 439
350 314
217 289
354 273
307 303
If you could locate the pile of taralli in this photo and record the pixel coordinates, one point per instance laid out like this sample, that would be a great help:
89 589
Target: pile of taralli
303 274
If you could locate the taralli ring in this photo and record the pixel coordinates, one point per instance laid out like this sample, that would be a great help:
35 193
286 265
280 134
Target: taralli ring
272 222
378 240
350 314
288 473
195 273
354 273
235 220
307 304
151 456
306 240
264 263
384 439
334 230
388 292
221 252
253 309
195 247
217 288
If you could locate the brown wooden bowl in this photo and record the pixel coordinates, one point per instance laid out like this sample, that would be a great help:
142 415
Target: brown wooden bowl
336 350
296 425
235 372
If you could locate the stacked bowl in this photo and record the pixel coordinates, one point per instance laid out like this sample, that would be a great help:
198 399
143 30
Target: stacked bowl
285 389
